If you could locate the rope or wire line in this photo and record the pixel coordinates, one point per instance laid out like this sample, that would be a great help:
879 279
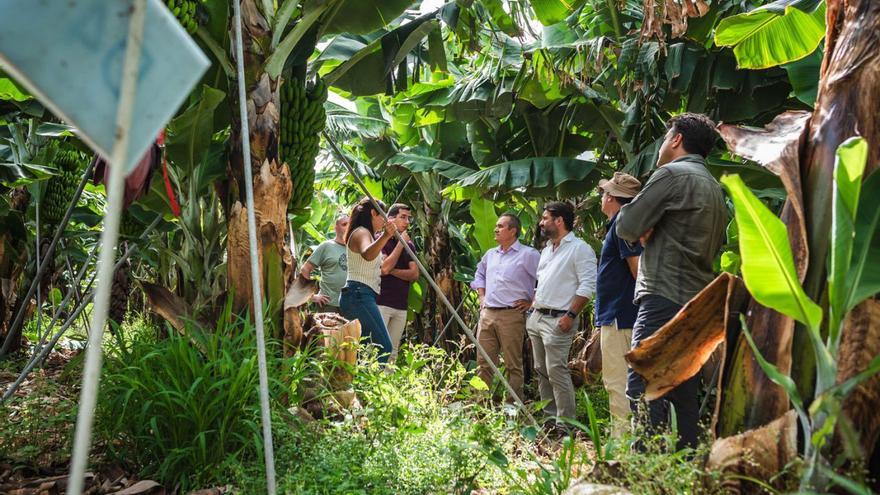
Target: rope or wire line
92 371
19 316
268 449
45 350
342 158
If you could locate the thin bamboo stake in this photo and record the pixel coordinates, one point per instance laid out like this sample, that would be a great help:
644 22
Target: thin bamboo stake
92 371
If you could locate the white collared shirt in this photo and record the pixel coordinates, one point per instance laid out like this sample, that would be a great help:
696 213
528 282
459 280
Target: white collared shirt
566 272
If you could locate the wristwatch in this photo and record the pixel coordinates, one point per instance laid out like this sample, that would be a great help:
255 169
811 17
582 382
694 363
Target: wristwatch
571 314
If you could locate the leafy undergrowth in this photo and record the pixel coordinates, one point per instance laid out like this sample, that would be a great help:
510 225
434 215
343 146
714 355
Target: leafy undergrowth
183 410
35 423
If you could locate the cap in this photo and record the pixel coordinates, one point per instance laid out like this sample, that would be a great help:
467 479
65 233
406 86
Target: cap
621 185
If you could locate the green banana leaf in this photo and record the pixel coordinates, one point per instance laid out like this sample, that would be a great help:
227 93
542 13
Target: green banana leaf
773 34
483 212
849 167
10 91
500 18
364 16
541 176
767 262
419 163
553 11
803 75
365 71
344 124
864 275
189 134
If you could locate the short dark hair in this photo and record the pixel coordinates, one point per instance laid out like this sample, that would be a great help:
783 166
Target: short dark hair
396 207
622 201
513 221
562 209
697 132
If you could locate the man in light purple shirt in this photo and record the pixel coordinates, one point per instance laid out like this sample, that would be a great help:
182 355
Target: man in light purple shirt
505 280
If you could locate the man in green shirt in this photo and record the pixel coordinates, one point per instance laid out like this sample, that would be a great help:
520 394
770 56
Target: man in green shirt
680 217
330 259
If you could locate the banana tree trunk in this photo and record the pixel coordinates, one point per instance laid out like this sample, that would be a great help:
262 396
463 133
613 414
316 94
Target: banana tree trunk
13 259
848 102
272 184
438 246
849 95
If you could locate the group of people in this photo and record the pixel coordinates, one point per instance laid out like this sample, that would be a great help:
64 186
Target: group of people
366 273
657 254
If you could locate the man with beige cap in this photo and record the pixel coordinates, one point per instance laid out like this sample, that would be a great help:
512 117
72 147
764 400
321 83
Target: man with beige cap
614 307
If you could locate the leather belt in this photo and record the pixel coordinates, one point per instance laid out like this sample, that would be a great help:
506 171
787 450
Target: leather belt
555 313
500 308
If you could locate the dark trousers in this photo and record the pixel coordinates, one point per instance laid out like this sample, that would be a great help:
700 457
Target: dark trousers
654 312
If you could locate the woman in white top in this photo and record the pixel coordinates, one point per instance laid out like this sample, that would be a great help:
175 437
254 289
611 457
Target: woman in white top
364 259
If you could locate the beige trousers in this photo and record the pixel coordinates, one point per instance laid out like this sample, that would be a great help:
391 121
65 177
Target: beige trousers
395 322
502 331
550 348
615 343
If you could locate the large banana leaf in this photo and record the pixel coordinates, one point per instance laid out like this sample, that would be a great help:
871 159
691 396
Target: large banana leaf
189 134
773 34
542 176
365 72
553 11
500 17
803 75
364 16
419 163
483 212
767 262
344 124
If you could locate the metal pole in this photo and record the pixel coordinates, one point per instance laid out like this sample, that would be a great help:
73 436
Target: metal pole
434 285
446 326
92 371
268 449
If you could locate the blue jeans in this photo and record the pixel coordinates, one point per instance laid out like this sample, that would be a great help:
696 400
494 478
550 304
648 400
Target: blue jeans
358 301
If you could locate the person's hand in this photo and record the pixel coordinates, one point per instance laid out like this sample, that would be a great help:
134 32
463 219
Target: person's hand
646 236
522 305
404 236
389 229
564 323
320 299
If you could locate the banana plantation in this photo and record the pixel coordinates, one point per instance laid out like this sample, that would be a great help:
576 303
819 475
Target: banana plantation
222 366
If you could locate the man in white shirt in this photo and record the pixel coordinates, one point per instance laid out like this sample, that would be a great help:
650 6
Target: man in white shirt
566 281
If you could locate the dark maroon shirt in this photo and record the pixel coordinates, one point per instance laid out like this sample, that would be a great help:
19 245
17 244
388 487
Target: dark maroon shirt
395 292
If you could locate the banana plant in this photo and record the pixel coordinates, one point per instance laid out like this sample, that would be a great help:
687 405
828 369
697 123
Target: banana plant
770 276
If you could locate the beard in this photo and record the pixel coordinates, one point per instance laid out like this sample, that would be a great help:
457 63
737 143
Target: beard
549 231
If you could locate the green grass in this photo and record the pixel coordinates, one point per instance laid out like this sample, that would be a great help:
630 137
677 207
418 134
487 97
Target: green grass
184 411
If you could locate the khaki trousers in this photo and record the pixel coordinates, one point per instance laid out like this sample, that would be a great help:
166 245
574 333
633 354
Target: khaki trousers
551 347
502 331
395 322
615 343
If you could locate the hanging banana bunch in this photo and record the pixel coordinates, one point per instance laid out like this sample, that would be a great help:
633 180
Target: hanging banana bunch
186 12
302 119
61 188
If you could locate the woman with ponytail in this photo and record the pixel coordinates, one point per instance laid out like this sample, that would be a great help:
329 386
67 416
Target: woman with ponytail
364 253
